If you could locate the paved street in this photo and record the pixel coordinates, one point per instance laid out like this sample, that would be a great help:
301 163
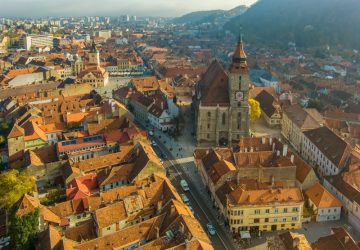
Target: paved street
180 165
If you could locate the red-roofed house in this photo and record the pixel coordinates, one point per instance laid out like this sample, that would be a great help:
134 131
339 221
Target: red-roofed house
82 186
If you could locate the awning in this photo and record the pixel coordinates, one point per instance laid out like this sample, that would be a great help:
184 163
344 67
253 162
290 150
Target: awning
245 235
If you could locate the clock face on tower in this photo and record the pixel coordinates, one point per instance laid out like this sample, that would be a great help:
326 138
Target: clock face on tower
239 96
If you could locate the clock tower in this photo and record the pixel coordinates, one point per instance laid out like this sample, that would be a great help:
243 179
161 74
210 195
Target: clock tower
94 55
239 83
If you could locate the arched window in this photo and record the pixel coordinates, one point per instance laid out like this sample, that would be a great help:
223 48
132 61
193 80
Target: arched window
223 118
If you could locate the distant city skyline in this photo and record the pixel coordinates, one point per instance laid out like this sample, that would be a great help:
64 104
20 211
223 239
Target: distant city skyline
159 8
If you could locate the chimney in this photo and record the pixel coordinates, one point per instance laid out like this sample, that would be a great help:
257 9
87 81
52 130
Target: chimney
245 150
263 140
285 150
251 149
296 243
182 228
159 207
238 178
157 232
272 181
278 153
292 158
270 140
347 238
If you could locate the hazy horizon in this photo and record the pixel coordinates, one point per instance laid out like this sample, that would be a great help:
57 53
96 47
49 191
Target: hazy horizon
160 8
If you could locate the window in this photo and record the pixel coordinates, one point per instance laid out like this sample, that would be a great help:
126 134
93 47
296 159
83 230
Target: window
208 136
275 219
209 114
285 210
257 211
284 219
266 219
267 211
294 218
295 209
276 210
256 220
223 118
208 126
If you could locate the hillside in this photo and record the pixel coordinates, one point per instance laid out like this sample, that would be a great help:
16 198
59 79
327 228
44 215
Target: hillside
307 22
211 16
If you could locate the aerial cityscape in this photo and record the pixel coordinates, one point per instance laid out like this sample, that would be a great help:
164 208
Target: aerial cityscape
182 125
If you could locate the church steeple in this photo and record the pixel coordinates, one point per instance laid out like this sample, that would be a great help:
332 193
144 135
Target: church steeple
239 54
239 59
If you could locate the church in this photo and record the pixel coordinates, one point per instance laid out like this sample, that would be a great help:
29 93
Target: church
221 102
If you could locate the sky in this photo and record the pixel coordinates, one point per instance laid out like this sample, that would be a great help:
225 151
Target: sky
165 8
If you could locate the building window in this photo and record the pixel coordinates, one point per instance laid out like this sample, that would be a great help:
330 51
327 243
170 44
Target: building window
266 219
267 211
223 118
208 126
284 219
257 211
295 209
276 210
208 136
256 220
294 218
285 210
209 114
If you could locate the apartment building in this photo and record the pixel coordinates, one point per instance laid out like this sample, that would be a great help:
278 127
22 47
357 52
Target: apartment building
33 40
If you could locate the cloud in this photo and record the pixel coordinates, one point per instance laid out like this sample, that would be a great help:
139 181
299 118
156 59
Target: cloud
33 8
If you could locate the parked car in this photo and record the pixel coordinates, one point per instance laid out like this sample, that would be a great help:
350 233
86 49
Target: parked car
151 133
153 143
211 229
184 185
185 199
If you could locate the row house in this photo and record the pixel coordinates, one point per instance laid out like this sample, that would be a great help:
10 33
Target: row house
295 121
325 151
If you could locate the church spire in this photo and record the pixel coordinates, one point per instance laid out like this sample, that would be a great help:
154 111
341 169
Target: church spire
239 54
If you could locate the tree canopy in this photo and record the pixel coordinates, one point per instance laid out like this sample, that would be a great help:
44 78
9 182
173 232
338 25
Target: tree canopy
255 110
13 185
23 230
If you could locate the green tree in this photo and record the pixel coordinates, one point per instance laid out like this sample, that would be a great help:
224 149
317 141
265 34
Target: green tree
23 230
13 185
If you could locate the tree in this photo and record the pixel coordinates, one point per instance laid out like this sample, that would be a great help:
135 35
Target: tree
13 185
255 111
23 230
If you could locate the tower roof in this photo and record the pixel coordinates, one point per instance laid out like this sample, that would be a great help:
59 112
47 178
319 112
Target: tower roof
239 64
239 53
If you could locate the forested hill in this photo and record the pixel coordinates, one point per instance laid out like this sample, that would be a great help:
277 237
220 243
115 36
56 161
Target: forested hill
307 22
210 16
